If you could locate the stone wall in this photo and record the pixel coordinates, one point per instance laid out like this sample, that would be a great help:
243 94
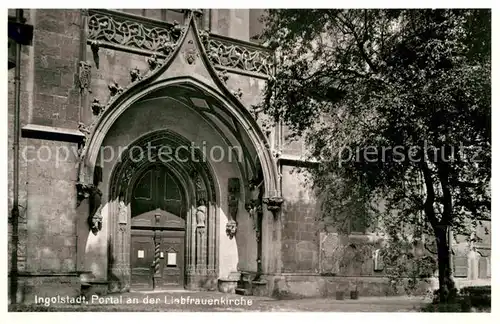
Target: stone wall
299 237
56 45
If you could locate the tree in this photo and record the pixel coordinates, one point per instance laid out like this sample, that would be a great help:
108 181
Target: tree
395 104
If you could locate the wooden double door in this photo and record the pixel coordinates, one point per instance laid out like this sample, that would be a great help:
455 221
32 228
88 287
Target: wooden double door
158 230
164 247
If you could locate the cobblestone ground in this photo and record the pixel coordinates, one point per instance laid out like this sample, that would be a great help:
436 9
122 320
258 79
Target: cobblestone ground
185 301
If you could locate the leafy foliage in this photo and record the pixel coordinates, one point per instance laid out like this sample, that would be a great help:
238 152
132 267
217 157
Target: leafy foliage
396 106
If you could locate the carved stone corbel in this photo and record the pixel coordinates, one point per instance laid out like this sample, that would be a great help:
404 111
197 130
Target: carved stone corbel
83 192
273 203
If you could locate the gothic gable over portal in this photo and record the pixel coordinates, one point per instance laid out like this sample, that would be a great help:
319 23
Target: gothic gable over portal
180 56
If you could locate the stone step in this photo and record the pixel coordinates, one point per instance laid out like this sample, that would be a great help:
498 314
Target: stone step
243 292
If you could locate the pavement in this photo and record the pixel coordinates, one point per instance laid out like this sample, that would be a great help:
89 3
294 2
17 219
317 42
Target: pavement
204 301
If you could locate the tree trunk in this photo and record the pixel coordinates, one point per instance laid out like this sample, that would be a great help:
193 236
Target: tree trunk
446 283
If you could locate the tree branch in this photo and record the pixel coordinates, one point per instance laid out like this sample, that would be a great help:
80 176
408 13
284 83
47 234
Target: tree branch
359 43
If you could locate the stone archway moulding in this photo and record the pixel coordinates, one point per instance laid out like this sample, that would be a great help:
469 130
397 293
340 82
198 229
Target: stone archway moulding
197 180
156 80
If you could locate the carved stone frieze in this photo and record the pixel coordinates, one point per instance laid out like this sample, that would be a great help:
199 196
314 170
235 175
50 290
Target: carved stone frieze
106 28
238 56
126 31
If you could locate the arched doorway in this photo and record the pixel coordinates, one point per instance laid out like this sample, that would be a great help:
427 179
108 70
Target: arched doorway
155 239
158 212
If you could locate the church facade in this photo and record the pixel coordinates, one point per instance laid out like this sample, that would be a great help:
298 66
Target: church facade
144 165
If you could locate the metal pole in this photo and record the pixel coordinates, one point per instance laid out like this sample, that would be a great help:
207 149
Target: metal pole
15 180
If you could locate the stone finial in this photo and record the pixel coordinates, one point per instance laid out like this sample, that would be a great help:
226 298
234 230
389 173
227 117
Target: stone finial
204 36
135 74
153 62
114 88
167 47
223 76
238 93
197 12
84 129
96 106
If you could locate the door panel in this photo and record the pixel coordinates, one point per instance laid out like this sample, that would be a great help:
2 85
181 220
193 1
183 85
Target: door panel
172 265
171 258
156 188
141 259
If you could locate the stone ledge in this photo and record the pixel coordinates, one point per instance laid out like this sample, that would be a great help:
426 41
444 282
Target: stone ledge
48 274
52 133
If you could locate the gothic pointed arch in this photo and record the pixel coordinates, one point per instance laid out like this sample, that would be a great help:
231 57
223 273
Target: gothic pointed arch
189 44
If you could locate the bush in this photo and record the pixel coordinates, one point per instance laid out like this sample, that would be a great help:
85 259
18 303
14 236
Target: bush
469 299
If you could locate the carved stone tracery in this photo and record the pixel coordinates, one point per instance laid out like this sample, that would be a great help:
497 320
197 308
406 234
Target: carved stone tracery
237 56
112 29
119 30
